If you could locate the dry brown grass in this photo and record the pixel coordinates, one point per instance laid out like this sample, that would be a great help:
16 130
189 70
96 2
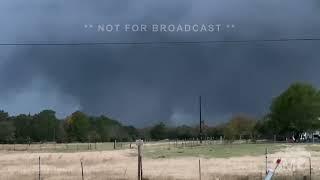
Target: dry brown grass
122 164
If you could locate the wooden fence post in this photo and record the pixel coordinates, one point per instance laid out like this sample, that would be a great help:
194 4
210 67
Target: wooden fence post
82 170
199 169
39 169
266 153
310 167
139 144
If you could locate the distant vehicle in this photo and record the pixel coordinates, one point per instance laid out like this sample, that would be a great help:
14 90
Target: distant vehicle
310 137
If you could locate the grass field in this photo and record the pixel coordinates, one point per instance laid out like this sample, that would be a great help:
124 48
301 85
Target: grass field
70 147
211 151
161 160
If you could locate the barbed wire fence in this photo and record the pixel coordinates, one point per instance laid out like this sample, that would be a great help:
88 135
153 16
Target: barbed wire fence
292 168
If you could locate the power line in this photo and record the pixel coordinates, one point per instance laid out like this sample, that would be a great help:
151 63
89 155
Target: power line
158 42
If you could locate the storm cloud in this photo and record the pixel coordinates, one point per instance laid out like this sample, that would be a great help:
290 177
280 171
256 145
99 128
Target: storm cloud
143 84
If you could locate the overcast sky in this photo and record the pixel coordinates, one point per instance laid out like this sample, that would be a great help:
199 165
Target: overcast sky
144 84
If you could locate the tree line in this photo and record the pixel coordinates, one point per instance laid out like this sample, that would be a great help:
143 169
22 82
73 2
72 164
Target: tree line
293 112
78 127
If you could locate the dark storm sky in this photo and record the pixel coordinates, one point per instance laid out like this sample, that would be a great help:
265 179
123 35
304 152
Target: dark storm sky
143 84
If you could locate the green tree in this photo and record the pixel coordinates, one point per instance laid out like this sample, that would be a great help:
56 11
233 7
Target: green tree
60 133
240 126
78 126
182 132
296 110
44 126
132 133
106 128
216 131
7 129
264 128
3 115
23 125
159 131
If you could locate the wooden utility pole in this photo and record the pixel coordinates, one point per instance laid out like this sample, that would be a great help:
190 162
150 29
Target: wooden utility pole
200 121
54 134
139 144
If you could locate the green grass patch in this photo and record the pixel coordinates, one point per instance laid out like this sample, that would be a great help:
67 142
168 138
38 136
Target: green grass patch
70 147
211 151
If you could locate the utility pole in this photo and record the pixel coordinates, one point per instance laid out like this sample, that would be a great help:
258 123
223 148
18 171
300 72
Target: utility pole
200 121
54 134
